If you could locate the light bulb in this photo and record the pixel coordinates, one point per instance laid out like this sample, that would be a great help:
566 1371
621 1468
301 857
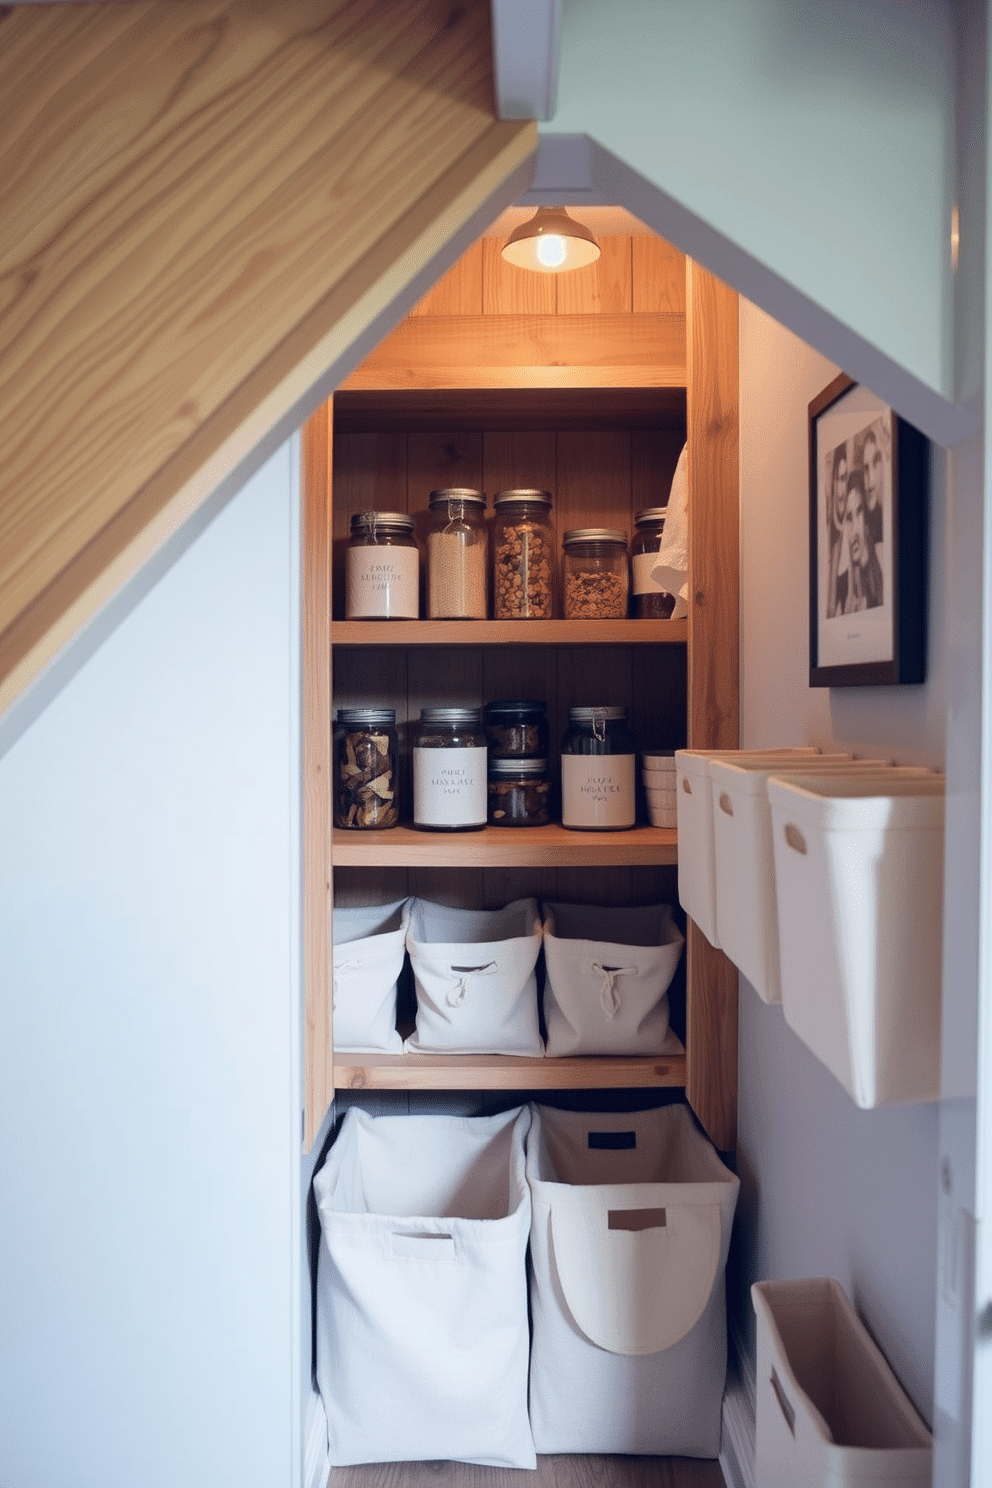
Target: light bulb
551 251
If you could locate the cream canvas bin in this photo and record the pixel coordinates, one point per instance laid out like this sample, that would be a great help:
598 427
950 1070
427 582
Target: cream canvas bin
744 868
629 1239
422 1334
694 825
830 1412
369 947
859 886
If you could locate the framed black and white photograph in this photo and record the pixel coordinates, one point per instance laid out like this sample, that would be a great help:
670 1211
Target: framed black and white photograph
869 523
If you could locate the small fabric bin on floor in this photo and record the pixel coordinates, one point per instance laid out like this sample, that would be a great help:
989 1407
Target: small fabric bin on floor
859 881
629 1240
422 1336
369 947
694 821
476 980
744 865
830 1411
607 973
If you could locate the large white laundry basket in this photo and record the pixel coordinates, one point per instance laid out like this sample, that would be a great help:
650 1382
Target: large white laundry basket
694 819
631 1227
830 1412
422 1338
607 973
744 865
475 976
859 878
369 947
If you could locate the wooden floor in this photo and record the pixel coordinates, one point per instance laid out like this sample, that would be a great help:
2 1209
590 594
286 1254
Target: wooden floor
552 1472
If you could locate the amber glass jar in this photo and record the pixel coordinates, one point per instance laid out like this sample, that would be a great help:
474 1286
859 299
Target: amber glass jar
523 556
382 568
650 600
457 567
594 574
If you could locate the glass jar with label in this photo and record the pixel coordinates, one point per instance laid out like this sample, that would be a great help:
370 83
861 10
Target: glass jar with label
457 567
382 568
523 556
449 771
650 600
519 791
366 789
594 574
597 770
517 730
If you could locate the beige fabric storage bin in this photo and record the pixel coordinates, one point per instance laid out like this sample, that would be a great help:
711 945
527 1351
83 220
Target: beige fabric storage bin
629 1237
607 974
694 824
744 866
859 881
830 1412
422 1332
369 947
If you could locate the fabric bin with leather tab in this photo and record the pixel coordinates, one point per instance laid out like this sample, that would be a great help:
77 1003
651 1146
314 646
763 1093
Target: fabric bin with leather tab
607 973
629 1238
859 888
422 1332
369 947
475 977
694 825
830 1411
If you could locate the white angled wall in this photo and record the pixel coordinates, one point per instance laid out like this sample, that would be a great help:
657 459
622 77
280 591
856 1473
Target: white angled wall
149 1035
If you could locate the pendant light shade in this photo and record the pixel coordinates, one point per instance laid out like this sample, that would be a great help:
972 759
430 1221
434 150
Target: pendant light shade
551 242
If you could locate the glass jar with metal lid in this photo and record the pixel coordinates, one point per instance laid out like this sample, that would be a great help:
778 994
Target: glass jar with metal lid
449 770
517 730
523 555
457 568
594 574
519 791
382 568
650 600
597 770
366 788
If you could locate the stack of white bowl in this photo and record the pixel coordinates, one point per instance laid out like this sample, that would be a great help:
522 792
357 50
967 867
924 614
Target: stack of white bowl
658 772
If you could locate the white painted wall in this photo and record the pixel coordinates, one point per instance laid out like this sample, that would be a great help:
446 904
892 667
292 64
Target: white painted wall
149 1035
827 1189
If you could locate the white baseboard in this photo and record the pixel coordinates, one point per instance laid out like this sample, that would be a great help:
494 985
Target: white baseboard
737 1454
315 1462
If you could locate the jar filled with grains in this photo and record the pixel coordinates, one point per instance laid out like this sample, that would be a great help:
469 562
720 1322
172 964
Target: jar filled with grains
457 570
366 795
523 548
594 574
518 792
651 601
382 568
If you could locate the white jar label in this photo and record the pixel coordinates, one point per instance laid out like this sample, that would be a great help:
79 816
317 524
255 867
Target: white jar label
597 790
382 584
641 566
449 787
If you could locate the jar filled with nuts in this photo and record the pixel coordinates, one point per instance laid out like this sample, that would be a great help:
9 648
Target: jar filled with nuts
519 792
594 574
517 730
365 784
523 551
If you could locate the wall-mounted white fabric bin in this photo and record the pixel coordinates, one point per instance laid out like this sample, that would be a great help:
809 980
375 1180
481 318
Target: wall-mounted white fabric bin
694 824
744 868
859 876
629 1239
607 973
476 980
369 947
422 1334
830 1412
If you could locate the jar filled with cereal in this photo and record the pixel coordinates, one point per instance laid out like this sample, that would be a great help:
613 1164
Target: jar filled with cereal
594 574
523 556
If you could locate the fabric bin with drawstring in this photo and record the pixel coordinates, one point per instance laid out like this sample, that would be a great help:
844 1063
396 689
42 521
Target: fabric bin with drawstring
629 1238
607 973
422 1334
475 977
369 946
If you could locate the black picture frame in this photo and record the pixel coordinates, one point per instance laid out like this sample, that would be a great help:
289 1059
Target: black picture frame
869 506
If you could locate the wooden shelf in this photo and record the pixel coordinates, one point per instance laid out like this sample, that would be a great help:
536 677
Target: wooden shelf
552 846
507 1072
374 411
509 632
